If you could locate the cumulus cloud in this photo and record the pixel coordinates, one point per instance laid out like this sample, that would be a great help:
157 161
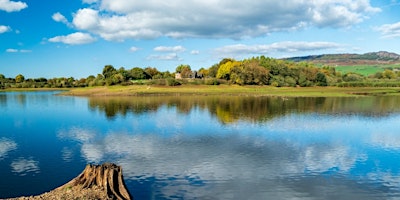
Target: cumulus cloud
135 19
12 6
170 48
287 46
389 30
4 29
74 38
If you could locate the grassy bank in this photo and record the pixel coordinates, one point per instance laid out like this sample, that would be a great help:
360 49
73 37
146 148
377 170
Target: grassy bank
138 90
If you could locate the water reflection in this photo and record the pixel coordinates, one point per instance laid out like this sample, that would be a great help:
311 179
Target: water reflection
255 109
311 161
3 99
6 145
206 147
25 166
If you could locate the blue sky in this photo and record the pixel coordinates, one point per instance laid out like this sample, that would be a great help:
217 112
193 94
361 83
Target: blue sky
64 38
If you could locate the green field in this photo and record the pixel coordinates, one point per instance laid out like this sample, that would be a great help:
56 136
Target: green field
365 70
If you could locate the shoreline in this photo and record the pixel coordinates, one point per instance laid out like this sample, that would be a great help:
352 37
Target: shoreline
231 90
227 90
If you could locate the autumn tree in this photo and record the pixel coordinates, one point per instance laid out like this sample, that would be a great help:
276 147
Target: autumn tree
224 71
19 78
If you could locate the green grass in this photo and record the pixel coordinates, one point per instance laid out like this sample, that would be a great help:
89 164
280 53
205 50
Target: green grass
365 70
229 90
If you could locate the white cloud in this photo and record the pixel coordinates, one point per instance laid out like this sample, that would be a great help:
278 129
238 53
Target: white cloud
195 52
12 6
18 51
170 48
90 1
389 30
12 50
4 29
74 38
134 49
58 17
169 56
135 19
287 46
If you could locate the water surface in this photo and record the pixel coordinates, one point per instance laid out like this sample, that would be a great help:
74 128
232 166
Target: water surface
205 147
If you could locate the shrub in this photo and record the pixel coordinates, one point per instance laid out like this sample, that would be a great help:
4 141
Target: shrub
172 82
211 81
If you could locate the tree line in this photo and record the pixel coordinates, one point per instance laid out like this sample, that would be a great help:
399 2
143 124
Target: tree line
253 71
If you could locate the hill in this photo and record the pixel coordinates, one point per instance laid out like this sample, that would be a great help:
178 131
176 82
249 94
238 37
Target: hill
372 58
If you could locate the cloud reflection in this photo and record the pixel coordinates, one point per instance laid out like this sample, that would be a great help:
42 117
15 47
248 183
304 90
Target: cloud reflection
247 166
6 145
204 165
23 166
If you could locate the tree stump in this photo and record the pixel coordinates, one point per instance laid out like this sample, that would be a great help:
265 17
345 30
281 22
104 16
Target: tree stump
107 176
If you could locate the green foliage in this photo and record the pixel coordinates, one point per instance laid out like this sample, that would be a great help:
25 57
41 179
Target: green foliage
211 81
137 73
253 71
151 72
353 77
109 71
172 82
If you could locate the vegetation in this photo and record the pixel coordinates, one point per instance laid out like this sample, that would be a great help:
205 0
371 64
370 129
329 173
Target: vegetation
253 71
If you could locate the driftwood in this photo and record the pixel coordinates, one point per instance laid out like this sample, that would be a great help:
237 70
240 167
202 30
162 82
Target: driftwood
107 176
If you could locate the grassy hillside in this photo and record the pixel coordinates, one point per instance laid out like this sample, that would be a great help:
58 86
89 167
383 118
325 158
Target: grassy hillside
365 64
365 70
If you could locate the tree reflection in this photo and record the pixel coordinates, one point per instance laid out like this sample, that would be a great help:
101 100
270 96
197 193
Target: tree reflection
3 100
230 109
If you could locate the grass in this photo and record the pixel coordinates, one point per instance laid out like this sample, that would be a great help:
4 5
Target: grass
142 90
365 70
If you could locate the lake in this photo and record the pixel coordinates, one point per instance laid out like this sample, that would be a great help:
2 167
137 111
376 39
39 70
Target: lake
205 147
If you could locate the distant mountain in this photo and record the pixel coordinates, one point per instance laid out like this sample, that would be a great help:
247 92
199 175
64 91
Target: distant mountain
378 58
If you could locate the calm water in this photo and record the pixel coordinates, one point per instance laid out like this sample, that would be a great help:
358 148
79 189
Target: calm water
205 147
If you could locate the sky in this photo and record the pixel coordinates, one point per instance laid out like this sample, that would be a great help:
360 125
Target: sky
77 38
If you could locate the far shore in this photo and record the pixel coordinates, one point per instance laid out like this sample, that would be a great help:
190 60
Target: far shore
228 90
231 90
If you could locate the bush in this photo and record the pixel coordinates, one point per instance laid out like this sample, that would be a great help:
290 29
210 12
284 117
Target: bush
211 81
172 82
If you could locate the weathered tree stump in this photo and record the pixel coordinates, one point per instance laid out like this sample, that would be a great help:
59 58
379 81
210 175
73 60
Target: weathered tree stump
107 176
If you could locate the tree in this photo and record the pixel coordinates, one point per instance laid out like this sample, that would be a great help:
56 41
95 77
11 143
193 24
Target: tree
388 74
109 71
19 78
224 71
182 67
124 73
249 73
321 79
137 73
151 71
